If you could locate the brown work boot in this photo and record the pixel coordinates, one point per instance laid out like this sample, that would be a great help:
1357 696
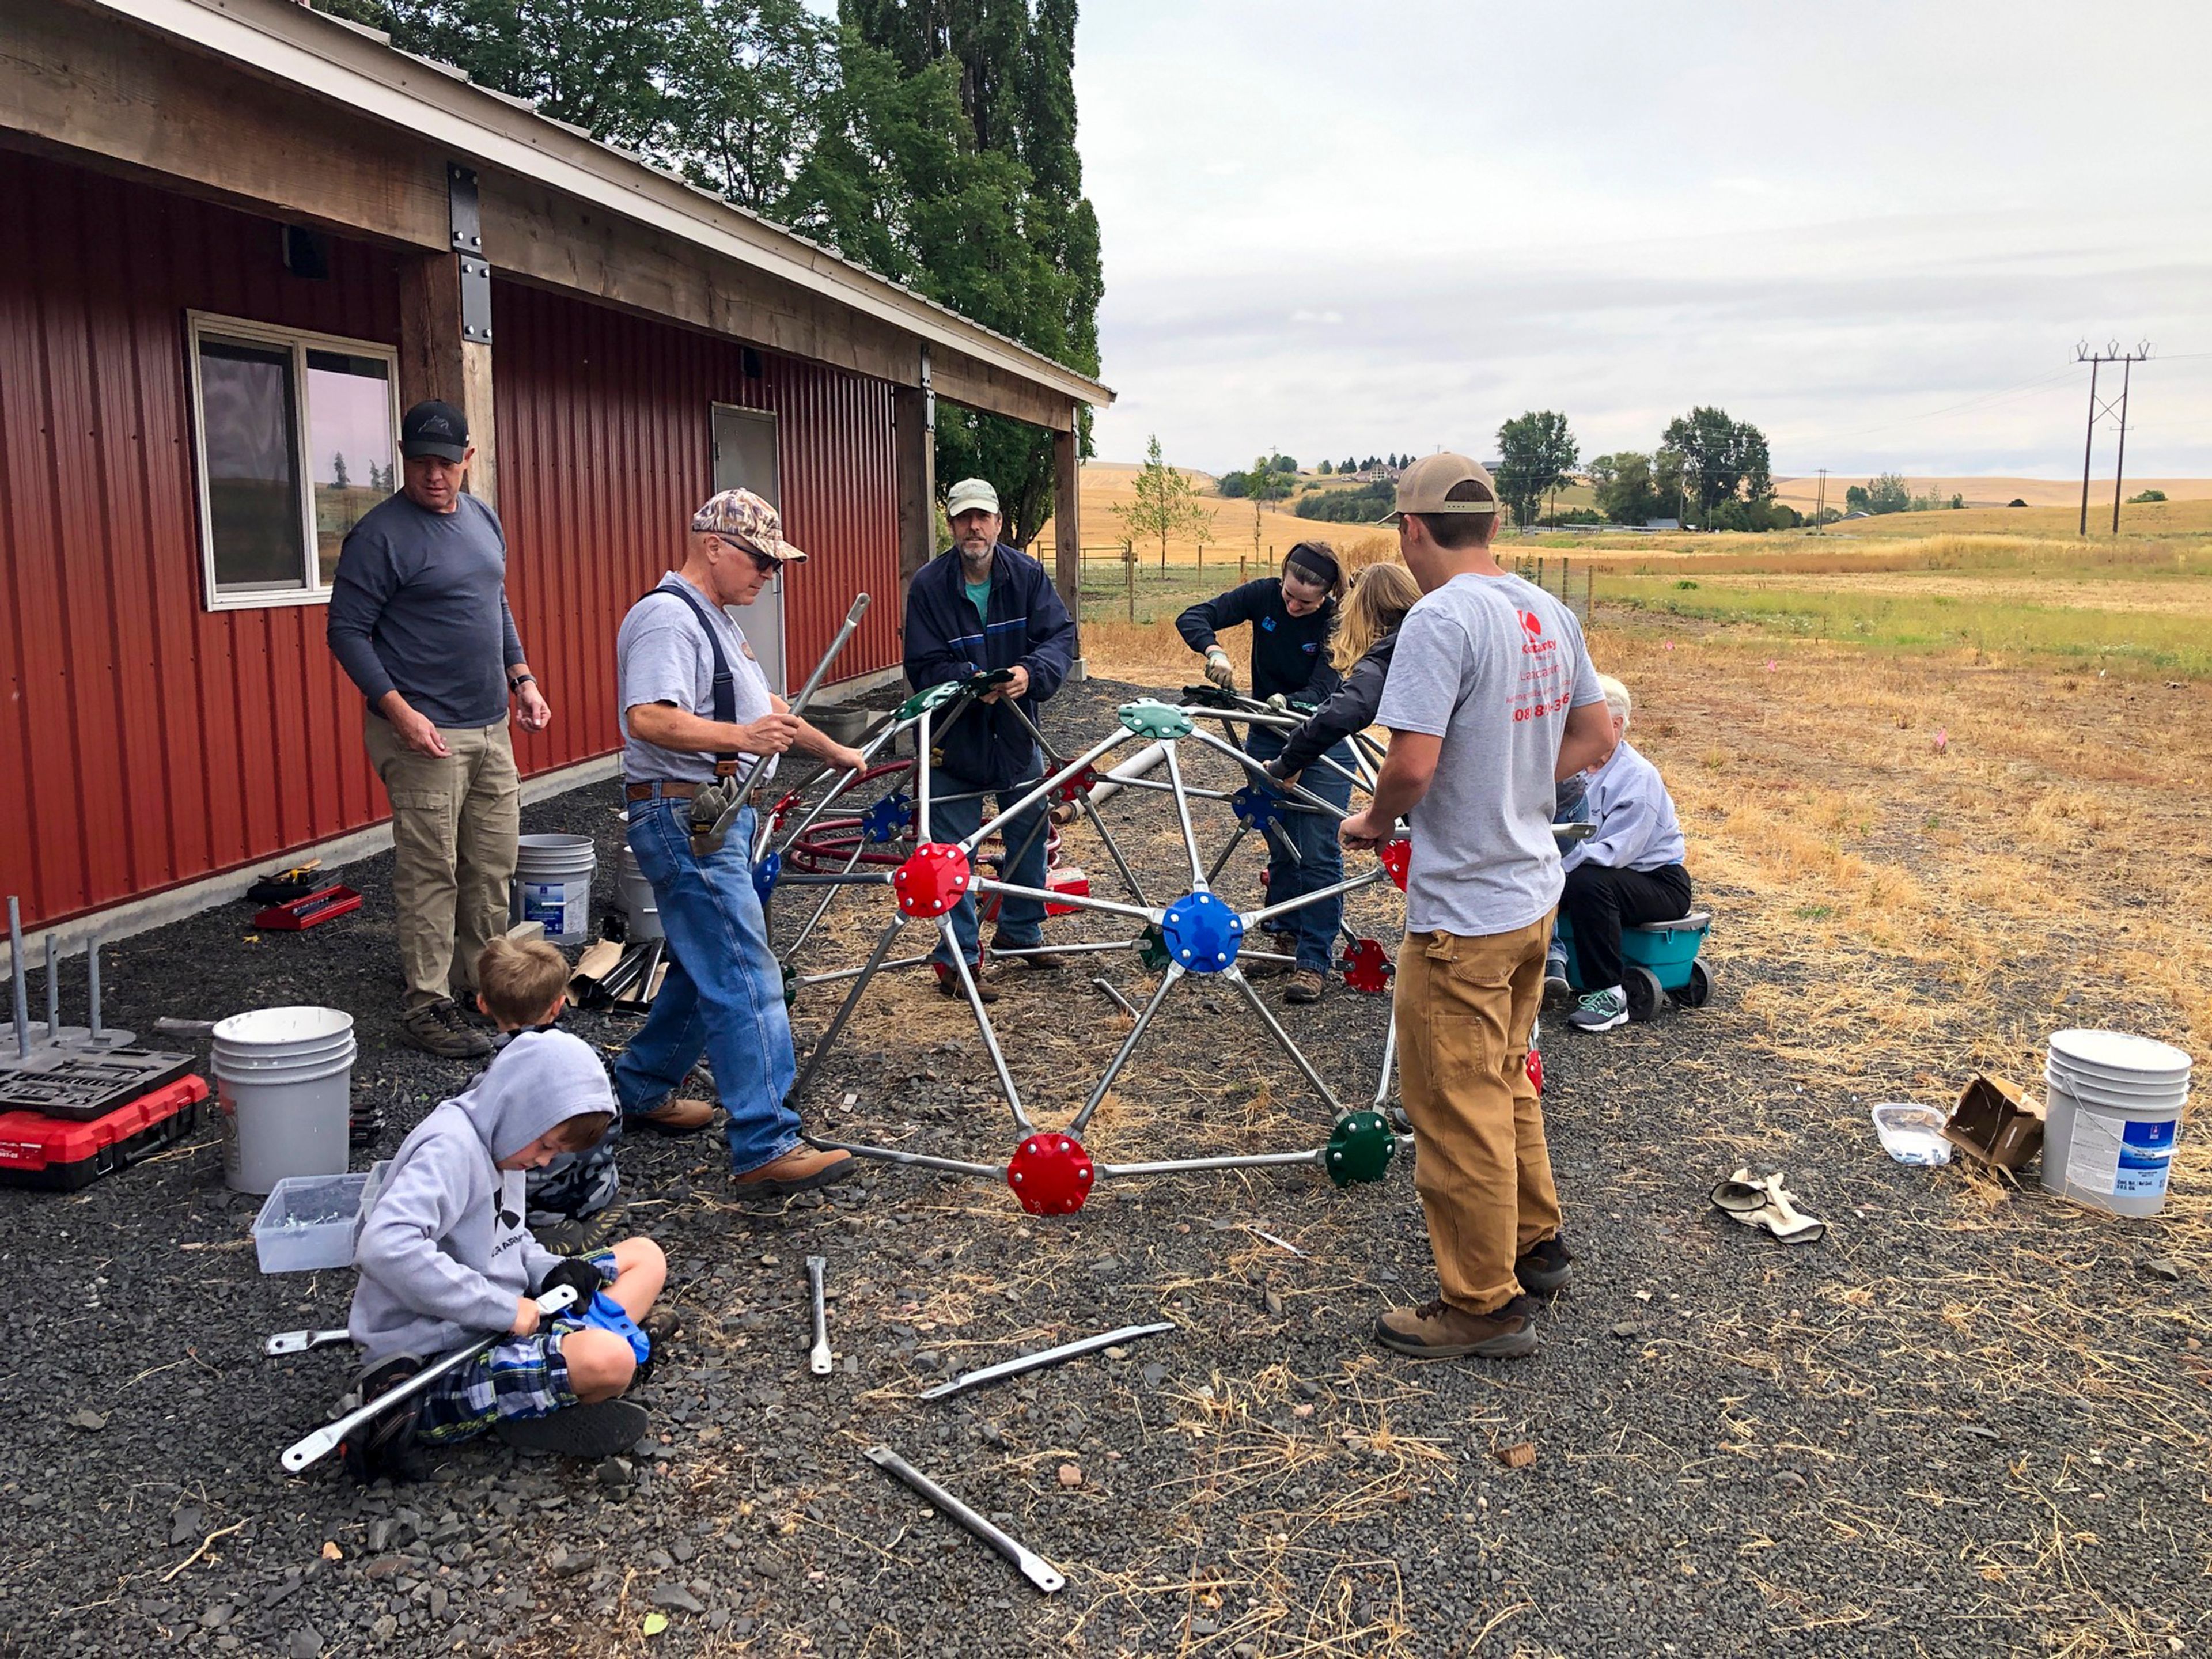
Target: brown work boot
1307 985
948 984
798 1171
1437 1330
672 1117
437 1028
1281 945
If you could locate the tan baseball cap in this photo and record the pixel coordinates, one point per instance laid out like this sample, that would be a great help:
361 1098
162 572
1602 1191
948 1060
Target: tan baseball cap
1422 487
745 517
970 493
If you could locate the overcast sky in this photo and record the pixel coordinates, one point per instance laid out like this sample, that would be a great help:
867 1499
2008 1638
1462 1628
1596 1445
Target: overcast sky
1339 227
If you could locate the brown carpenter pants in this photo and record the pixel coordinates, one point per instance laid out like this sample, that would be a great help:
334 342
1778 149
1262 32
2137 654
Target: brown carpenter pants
1464 1008
453 826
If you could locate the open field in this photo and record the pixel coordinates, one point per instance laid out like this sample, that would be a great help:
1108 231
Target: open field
1801 493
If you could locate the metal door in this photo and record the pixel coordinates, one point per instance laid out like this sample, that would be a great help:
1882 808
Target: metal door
745 459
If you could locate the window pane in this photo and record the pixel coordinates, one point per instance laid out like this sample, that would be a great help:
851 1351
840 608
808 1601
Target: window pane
349 425
253 474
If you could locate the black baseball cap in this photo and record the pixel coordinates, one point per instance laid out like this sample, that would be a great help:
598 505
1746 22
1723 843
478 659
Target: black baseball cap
434 429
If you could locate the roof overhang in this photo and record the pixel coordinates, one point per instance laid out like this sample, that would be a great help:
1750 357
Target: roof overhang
343 65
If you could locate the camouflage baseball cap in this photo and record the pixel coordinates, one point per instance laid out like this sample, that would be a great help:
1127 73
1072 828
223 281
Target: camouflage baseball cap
743 517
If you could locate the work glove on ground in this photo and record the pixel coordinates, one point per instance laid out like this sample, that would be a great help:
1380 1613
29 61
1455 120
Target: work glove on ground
580 1276
1221 671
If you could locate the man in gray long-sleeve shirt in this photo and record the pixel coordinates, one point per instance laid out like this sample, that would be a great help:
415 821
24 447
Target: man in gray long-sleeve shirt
419 621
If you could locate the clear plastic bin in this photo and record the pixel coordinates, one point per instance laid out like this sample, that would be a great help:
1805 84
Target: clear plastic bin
307 1223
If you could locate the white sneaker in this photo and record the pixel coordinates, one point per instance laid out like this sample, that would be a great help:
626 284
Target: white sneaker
1600 1010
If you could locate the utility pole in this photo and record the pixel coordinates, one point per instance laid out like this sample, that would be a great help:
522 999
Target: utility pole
2127 359
1820 501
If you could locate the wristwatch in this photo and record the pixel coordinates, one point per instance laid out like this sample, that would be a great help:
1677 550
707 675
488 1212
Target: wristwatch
519 681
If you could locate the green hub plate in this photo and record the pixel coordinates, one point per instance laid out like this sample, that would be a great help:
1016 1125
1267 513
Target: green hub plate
790 986
922 702
1152 949
1159 721
1360 1148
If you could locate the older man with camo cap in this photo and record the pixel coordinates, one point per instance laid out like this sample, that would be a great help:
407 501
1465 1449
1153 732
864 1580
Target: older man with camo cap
698 720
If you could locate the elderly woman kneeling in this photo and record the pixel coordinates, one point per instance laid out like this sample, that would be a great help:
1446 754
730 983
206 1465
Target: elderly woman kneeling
1629 870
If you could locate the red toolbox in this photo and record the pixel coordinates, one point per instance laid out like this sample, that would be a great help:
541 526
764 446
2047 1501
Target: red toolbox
324 904
38 1151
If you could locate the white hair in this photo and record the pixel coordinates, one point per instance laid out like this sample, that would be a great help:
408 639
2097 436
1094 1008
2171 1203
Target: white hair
1616 697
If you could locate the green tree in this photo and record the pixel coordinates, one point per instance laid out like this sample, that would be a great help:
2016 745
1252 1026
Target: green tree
1026 263
1325 468
1626 490
339 478
1721 459
1166 503
1888 493
1536 453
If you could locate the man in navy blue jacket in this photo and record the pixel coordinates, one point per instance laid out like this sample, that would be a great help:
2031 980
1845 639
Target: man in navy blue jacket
982 606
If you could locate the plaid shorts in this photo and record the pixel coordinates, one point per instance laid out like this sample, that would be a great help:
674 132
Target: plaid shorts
524 1377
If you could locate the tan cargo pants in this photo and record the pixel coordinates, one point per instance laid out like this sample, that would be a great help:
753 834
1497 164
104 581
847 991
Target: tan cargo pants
1464 1009
453 826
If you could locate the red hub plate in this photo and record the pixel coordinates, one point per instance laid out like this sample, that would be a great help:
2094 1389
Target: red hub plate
1398 858
932 880
1050 1174
1366 969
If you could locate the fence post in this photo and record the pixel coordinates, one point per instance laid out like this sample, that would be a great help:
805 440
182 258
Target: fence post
1240 570
1129 571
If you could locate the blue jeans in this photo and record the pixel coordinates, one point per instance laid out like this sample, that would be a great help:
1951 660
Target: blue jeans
1320 862
1021 920
723 994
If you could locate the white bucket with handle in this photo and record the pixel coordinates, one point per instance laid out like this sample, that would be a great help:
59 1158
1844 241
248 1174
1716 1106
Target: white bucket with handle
284 1088
553 885
2112 1119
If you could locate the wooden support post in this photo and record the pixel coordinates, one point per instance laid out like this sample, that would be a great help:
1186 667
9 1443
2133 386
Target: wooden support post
1067 529
915 468
434 361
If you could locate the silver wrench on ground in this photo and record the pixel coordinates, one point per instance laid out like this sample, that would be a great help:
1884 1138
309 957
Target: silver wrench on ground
1034 1568
817 1358
303 1342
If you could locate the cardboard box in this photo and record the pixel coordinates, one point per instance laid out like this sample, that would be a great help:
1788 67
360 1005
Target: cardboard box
1995 1125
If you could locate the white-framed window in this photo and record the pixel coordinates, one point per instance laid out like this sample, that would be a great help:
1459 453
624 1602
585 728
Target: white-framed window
296 435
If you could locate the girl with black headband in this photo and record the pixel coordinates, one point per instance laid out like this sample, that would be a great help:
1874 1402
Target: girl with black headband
1291 616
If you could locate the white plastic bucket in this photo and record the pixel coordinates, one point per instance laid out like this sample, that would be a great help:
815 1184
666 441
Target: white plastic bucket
2112 1119
284 1084
553 885
634 894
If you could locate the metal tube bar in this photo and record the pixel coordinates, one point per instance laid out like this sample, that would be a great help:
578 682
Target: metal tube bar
92 982
829 898
1175 971
1366 879
1293 791
1033 1566
1245 1161
1182 817
1022 1364
53 989
837 1021
1113 849
1259 714
867 753
326 1439
922 776
1138 765
1192 790
1227 853
1080 947
983 1024
1297 1055
915 1160
1045 787
15 972
858 878
1390 1064
832 977
1082 901
1120 1001
818 1357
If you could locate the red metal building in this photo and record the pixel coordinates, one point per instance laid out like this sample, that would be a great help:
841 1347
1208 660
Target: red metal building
243 236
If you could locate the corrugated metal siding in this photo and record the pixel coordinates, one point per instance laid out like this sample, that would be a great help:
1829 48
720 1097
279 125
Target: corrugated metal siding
145 741
605 450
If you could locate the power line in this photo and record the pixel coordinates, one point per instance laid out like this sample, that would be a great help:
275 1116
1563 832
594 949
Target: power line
2126 360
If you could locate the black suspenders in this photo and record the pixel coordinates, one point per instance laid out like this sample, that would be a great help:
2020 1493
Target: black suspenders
724 689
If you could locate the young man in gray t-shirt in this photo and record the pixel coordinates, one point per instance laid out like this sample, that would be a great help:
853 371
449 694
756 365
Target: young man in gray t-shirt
1491 699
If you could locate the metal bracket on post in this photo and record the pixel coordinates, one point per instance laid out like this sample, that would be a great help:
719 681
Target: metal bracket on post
467 223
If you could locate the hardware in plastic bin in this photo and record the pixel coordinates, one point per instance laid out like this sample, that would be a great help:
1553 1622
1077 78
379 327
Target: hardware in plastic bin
38 1151
305 1224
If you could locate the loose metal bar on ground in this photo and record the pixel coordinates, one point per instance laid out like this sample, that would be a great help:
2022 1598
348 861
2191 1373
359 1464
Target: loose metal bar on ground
326 1439
1034 1567
1042 1358
818 1357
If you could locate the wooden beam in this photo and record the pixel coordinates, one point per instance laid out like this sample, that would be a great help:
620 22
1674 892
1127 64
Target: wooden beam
914 461
76 85
964 380
1067 525
434 361
534 234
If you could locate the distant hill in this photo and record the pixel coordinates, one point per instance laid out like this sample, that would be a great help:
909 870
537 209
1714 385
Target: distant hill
1800 493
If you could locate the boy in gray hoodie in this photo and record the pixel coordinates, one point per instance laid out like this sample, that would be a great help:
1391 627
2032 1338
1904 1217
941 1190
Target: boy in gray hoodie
446 1258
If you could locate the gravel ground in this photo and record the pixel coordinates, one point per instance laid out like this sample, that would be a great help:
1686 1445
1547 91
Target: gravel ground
1737 1448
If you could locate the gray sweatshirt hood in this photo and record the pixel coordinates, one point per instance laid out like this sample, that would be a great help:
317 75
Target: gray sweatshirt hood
542 1079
